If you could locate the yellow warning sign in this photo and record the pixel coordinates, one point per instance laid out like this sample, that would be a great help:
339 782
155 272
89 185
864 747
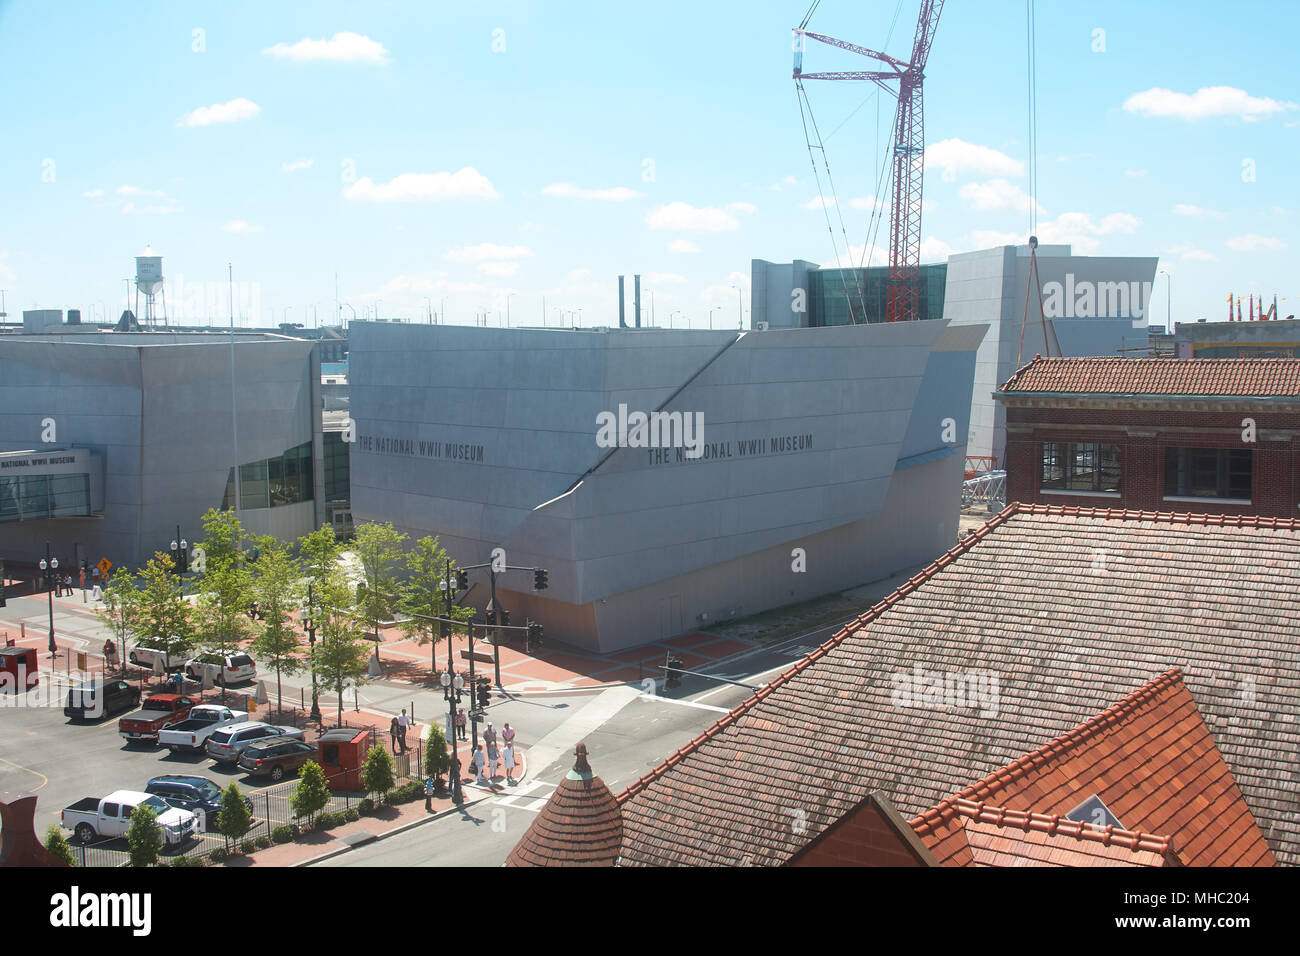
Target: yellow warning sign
104 566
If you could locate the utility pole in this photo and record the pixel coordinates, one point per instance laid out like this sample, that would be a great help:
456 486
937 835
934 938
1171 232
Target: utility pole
234 410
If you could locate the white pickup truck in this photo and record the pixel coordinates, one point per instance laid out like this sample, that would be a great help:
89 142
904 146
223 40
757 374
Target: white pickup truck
110 817
193 732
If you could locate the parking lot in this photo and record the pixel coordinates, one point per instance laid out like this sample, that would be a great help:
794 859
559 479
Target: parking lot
61 762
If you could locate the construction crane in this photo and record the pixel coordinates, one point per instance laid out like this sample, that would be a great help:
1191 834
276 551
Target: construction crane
901 303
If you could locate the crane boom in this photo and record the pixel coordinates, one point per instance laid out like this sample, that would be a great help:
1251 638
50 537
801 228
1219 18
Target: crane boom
902 293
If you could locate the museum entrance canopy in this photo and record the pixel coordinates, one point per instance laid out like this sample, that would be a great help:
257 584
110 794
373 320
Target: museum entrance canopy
51 483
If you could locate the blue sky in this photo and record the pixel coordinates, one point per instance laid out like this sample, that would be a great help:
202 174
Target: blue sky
476 154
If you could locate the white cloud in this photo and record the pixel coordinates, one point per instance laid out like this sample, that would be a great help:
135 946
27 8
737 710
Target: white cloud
935 250
783 183
1186 209
685 217
1189 253
1207 102
136 191
240 226
341 48
295 165
498 269
725 296
683 246
819 202
570 191
664 278
955 157
1136 173
168 207
1077 229
230 112
485 251
1251 242
999 194
745 207
93 193
990 238
577 275
466 183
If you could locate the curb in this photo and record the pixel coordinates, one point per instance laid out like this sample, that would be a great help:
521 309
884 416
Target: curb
387 833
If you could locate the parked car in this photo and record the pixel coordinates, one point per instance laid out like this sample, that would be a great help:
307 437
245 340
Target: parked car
91 817
98 698
233 668
145 657
225 745
199 795
275 756
18 669
158 711
193 732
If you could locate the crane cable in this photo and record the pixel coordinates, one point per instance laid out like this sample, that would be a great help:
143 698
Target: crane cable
1033 279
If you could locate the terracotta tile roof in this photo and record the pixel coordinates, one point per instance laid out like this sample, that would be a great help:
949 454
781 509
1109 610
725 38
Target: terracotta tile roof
1019 606
581 824
1237 377
977 834
1150 759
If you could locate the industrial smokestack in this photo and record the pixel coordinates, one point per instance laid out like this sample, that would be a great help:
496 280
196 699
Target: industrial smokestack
622 321
636 298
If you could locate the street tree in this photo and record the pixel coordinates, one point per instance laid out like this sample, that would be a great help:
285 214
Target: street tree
120 610
423 596
377 774
312 794
58 845
319 553
161 617
144 836
234 819
436 759
277 589
378 548
225 587
341 653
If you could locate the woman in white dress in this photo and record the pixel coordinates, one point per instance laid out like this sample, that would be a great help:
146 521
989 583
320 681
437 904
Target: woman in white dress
508 754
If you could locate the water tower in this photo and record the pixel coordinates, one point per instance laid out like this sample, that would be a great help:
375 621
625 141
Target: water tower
149 280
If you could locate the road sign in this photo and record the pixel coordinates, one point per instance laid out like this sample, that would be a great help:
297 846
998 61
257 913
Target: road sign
104 566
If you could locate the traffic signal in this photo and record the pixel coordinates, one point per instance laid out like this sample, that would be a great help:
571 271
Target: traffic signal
484 693
672 669
539 579
491 618
534 636
462 581
2 584
505 618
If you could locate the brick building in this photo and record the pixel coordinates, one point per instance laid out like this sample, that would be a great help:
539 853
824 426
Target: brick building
1209 436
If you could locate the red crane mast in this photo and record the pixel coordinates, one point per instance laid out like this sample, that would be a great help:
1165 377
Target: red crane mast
901 302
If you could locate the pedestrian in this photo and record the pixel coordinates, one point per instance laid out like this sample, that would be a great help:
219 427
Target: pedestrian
494 758
489 735
403 722
94 575
478 763
110 653
81 578
507 734
392 735
460 723
508 754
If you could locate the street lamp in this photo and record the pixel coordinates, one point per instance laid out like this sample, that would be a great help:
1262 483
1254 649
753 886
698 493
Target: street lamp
670 317
452 688
740 307
509 295
309 624
180 557
716 308
50 572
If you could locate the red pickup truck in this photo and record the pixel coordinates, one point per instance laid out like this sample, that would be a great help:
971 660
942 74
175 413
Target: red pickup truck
157 712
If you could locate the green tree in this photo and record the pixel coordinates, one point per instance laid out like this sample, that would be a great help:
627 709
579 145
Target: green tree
225 587
144 837
436 759
341 654
423 593
319 553
312 794
57 845
277 589
162 619
378 548
120 610
234 819
377 774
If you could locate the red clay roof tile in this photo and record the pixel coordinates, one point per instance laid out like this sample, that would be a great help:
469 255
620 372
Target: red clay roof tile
1108 375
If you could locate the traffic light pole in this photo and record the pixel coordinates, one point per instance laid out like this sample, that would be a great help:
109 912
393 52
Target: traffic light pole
453 768
539 583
